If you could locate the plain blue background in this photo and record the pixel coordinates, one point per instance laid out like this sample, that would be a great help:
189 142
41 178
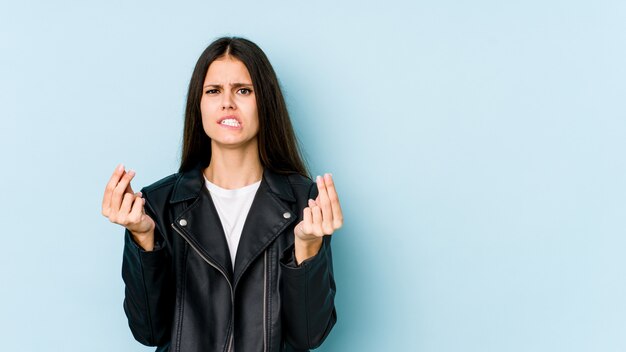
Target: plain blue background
478 148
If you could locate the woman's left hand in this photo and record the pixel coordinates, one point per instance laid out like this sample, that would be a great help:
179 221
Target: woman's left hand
322 217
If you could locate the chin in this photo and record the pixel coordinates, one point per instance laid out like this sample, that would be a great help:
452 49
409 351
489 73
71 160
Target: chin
233 142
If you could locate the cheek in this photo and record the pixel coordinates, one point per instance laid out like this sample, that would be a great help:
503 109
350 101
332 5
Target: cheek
207 108
253 112
203 107
255 118
206 113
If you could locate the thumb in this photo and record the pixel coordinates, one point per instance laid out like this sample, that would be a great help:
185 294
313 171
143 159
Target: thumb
298 230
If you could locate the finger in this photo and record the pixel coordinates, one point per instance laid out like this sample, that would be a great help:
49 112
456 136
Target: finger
120 190
324 204
317 221
307 222
334 201
137 209
129 189
108 190
127 203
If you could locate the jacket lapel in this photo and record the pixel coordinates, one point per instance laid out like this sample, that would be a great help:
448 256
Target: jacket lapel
199 223
267 219
269 215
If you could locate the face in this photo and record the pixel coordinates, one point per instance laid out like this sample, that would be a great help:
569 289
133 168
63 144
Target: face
228 104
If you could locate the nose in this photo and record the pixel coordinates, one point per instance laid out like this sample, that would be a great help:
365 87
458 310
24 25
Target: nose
227 101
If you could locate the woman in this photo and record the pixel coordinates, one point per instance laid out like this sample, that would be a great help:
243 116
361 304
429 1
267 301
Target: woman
232 253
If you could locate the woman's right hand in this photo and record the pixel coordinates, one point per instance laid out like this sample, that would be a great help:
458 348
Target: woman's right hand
124 207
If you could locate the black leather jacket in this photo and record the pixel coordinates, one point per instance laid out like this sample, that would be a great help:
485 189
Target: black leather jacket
184 296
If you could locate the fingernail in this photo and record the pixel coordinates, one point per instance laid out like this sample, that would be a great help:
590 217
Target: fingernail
140 194
131 172
120 167
327 177
318 178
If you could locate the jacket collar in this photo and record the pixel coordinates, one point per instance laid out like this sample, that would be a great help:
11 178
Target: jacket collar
190 183
268 217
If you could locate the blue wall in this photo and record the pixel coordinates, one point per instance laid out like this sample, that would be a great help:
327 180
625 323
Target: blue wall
478 148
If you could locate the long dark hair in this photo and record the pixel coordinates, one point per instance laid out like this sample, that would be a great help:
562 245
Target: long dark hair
278 146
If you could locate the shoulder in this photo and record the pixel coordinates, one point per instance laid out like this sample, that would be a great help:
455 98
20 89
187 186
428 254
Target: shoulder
288 186
296 179
301 185
162 184
160 191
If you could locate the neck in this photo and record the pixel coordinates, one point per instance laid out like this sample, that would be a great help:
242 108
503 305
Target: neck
234 168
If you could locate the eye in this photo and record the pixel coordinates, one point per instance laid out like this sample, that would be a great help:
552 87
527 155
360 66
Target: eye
212 91
245 91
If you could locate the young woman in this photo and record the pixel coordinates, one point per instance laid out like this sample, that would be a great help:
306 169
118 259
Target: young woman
232 253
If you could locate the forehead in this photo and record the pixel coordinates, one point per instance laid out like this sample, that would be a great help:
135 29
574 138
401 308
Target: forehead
227 70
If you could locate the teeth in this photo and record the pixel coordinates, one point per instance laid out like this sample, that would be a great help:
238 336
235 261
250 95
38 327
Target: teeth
230 122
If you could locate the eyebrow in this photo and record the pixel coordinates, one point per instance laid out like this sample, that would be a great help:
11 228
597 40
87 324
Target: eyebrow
235 85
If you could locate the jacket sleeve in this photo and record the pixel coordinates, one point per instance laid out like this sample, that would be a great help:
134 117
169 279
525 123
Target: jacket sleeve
308 296
149 292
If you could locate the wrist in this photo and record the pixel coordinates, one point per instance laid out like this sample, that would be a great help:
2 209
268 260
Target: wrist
145 240
305 249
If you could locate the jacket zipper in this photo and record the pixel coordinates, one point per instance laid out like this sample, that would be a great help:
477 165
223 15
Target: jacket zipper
265 302
232 295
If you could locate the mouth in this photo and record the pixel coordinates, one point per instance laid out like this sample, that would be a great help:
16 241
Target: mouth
230 121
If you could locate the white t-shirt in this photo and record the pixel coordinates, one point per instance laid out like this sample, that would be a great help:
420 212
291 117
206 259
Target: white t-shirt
232 207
